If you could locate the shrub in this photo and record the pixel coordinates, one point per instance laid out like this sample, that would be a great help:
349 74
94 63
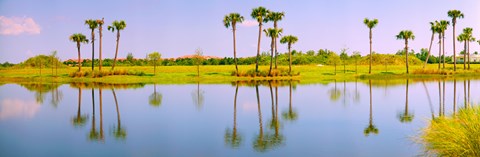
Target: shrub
457 135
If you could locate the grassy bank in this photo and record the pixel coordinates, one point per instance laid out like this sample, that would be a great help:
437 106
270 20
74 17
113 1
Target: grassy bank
222 74
457 135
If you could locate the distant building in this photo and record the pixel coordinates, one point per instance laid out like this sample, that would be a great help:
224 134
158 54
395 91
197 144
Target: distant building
474 58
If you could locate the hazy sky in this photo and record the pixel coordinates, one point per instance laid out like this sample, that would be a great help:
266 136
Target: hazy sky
177 27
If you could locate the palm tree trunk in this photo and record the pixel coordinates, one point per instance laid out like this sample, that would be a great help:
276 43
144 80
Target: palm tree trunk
235 48
235 113
443 49
429 49
271 56
465 54
290 59
259 110
454 53
465 93
406 53
276 53
79 63
371 58
100 51
258 46
468 51
116 50
439 50
93 49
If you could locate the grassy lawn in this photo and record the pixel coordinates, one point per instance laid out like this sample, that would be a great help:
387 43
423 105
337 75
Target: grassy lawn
222 74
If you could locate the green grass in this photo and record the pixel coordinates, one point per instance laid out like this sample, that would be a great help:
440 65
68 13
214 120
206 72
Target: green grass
457 135
222 74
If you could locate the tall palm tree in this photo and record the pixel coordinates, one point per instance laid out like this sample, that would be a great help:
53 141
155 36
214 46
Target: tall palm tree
468 38
370 24
274 33
118 26
454 14
463 38
233 138
371 128
406 117
231 20
406 35
259 14
439 30
443 25
100 29
433 28
78 38
275 17
289 40
92 24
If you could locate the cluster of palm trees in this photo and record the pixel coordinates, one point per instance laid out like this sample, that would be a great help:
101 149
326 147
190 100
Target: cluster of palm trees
438 27
92 24
262 15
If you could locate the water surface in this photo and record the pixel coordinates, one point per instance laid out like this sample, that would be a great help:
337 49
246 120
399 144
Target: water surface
364 118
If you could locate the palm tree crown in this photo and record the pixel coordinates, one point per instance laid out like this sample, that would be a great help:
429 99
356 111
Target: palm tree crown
405 34
273 32
289 39
275 16
370 23
117 25
454 14
232 19
260 15
92 24
79 38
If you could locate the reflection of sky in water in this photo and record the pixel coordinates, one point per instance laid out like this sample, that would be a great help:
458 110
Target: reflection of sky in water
18 108
325 125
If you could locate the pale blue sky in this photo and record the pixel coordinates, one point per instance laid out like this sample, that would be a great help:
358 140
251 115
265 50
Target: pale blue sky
177 27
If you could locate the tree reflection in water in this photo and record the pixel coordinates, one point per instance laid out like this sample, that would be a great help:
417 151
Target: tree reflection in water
232 137
371 128
406 116
156 98
118 132
79 119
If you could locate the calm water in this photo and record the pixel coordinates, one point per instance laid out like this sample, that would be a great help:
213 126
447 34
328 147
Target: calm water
271 119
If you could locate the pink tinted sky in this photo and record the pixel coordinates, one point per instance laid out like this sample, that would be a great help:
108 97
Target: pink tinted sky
177 27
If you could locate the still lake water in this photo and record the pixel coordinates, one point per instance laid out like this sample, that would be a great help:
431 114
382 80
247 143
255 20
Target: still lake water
284 119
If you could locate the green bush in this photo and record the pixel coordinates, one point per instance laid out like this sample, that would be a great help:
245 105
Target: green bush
457 135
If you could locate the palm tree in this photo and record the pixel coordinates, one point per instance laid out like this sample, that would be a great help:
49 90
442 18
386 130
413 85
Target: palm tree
468 38
455 14
275 17
433 28
259 14
370 24
371 128
156 98
119 132
233 138
80 119
463 38
443 25
118 26
289 39
231 20
274 33
78 38
406 117
92 24
100 29
406 35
